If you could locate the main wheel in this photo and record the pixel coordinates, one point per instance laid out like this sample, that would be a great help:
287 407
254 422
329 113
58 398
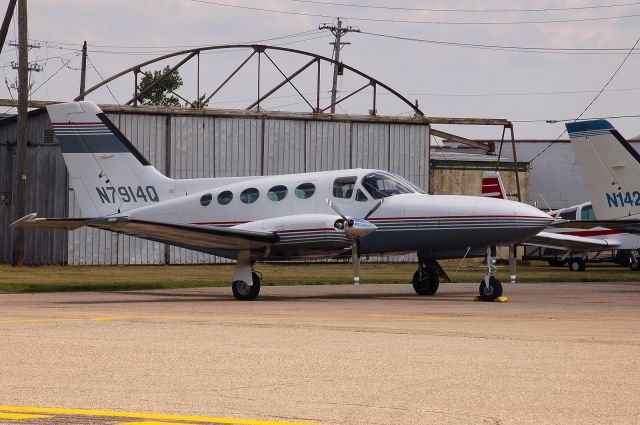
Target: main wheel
492 291
243 292
577 265
425 282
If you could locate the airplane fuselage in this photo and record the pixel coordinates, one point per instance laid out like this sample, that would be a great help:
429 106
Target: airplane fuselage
294 207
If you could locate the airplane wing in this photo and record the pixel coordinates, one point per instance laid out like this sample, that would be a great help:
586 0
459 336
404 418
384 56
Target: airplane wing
186 236
570 242
627 226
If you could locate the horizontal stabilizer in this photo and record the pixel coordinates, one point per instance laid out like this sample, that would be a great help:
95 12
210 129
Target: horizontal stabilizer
31 221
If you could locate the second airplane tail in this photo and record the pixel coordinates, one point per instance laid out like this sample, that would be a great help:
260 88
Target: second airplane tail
610 168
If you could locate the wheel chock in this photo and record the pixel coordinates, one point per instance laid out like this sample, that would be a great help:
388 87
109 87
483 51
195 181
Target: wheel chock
501 299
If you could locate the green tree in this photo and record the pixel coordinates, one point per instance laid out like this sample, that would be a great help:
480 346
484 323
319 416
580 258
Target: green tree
160 94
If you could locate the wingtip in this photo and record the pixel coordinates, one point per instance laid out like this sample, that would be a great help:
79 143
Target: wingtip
26 219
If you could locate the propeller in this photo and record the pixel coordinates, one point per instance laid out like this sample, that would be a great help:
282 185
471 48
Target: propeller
356 228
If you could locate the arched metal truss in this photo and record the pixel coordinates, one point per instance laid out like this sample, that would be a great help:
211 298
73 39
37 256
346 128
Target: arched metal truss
261 50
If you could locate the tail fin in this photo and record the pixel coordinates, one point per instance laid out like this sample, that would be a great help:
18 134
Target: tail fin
107 173
492 186
610 169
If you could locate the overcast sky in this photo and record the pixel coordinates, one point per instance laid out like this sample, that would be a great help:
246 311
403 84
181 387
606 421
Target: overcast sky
446 80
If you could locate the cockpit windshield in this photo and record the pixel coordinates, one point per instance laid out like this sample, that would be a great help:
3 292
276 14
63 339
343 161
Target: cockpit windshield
381 185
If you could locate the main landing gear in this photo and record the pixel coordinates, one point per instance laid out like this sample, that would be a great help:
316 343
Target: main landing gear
426 279
246 282
490 286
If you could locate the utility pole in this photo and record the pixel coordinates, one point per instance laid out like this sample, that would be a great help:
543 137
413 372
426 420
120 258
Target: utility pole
338 31
83 70
21 130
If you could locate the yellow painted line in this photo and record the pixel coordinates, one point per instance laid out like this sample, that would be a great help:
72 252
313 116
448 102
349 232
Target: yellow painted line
156 416
22 416
153 423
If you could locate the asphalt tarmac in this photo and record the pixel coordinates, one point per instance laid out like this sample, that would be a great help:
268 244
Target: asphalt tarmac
374 354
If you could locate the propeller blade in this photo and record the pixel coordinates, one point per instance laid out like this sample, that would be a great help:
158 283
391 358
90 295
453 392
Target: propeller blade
374 209
337 210
355 262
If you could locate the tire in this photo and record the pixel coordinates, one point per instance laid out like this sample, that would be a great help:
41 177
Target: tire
577 265
425 282
244 292
491 292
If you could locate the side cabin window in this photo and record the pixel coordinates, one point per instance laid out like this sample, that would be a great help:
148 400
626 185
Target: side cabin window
305 190
587 213
224 198
250 195
382 185
277 193
568 215
206 199
343 187
360 196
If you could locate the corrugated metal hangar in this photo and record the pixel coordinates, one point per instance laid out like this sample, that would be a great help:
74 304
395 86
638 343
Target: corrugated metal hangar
189 144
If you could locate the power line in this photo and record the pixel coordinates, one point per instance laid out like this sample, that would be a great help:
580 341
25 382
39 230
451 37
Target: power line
595 98
426 9
555 121
184 46
407 21
524 49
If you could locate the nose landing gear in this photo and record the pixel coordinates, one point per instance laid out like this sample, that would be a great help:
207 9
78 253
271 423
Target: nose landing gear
490 286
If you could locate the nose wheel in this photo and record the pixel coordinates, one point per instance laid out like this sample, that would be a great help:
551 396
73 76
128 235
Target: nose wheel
490 286
492 290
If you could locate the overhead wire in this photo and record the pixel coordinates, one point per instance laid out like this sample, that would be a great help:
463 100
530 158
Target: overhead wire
594 99
448 10
521 49
408 21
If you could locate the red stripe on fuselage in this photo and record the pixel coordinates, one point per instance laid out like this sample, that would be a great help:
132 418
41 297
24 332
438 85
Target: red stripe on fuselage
323 229
460 216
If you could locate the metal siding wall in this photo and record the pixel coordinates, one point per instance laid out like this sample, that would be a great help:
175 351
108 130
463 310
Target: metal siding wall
328 145
370 145
238 147
284 147
46 192
192 156
202 147
6 185
93 246
409 153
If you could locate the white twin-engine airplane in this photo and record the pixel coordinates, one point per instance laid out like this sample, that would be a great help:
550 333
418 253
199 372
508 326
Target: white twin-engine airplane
328 214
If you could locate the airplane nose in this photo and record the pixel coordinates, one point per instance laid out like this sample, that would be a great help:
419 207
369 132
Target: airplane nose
533 215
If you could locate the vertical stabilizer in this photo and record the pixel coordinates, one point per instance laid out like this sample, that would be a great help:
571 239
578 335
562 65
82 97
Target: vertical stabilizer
492 186
106 172
610 168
